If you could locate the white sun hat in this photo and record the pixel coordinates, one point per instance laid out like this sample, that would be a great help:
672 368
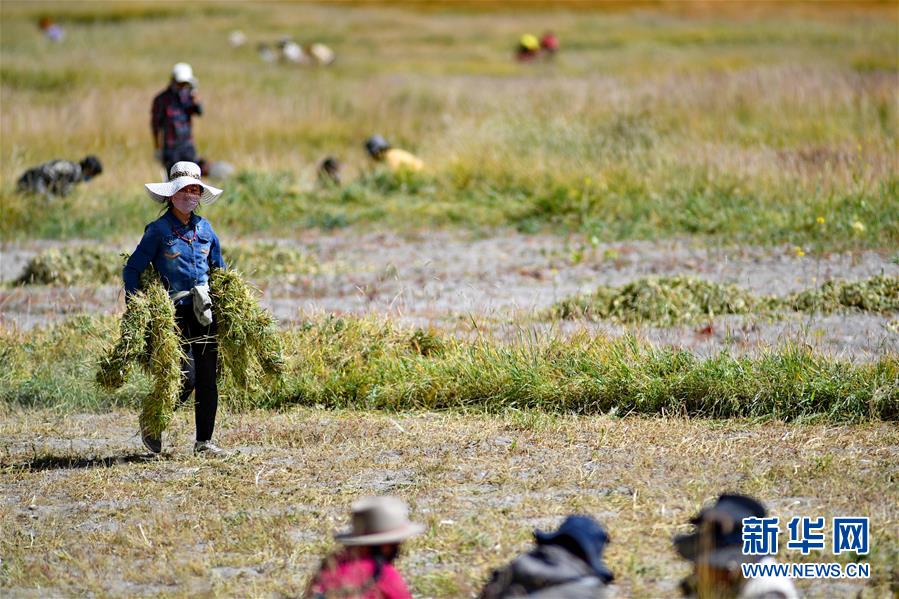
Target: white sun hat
182 175
184 73
379 521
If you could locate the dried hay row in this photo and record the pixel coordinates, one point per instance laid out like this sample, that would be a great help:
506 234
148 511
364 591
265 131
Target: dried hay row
667 301
84 265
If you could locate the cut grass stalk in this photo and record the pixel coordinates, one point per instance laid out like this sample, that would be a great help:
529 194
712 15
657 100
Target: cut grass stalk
249 345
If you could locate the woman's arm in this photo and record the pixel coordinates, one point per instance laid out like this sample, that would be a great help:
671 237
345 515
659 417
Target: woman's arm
139 259
215 252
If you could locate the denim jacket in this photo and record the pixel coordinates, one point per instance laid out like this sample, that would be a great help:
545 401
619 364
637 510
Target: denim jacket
182 254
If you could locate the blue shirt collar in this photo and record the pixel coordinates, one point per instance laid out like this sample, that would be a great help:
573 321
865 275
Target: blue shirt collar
173 220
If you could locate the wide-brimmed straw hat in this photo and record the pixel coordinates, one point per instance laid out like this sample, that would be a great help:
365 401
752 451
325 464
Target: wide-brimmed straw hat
182 175
379 521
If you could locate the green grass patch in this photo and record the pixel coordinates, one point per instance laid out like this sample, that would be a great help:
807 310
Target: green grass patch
372 364
667 301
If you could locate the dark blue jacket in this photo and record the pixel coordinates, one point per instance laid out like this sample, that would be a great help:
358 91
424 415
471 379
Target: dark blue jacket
182 254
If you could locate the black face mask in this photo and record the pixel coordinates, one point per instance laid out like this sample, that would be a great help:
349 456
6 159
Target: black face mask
388 554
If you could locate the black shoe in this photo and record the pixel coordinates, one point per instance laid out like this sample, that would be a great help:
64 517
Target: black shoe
154 444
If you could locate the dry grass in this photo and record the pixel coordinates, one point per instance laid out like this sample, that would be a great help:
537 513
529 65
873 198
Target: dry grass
721 126
256 525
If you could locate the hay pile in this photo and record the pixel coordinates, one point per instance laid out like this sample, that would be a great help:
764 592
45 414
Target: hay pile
84 265
250 348
81 265
663 301
667 301
877 294
149 337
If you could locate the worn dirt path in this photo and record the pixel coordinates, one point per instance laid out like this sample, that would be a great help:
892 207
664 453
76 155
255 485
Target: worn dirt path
502 283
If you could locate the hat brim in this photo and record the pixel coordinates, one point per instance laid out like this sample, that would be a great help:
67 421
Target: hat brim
381 538
723 557
193 81
160 192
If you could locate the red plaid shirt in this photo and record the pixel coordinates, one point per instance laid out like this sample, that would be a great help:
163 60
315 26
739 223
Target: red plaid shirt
171 114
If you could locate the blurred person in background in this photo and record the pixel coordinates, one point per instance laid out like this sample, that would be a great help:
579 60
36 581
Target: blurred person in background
395 159
565 564
715 548
58 177
329 171
266 52
292 52
364 569
549 44
321 54
171 116
51 30
237 38
528 47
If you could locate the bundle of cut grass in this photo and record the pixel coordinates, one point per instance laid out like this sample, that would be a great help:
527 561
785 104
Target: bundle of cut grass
164 357
81 265
249 344
663 301
131 347
876 294
148 336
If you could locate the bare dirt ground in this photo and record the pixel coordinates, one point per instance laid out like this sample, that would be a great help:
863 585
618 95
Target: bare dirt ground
85 513
502 284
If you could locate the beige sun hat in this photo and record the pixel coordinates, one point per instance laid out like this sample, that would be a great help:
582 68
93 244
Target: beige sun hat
181 175
379 521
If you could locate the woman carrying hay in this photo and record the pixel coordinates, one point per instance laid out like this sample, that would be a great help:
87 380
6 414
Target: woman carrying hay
183 249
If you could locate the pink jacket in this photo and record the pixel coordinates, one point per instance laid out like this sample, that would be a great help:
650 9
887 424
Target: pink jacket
347 576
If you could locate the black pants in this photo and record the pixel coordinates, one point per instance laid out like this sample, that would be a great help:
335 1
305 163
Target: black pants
182 153
199 371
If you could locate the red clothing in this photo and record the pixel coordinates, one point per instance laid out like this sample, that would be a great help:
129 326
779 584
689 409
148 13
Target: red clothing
549 42
348 576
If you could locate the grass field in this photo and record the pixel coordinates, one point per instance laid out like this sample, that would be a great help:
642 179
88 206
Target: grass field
747 146
649 124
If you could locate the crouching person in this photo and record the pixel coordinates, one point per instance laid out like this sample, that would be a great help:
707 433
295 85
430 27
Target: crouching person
395 159
565 564
715 548
363 569
58 177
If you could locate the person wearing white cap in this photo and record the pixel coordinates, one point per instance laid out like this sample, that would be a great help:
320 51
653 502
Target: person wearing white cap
171 115
364 568
183 248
